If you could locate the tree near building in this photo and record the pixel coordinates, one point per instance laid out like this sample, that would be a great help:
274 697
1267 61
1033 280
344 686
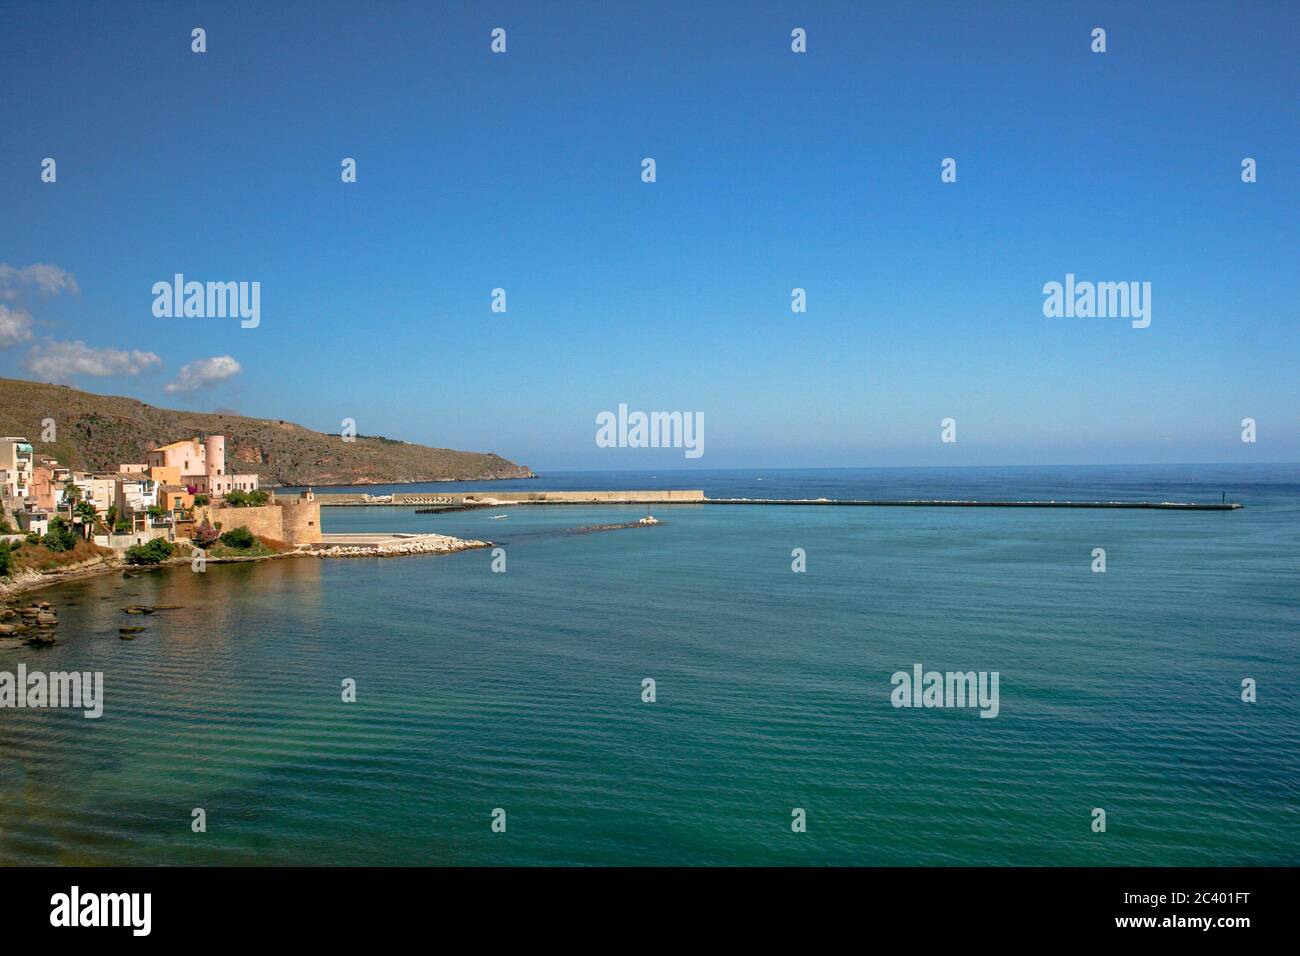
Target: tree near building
60 537
155 552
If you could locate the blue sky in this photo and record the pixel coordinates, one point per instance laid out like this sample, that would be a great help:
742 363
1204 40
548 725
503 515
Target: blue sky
775 170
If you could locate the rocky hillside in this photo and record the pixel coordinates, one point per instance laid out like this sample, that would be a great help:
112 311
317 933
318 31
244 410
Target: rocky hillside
97 432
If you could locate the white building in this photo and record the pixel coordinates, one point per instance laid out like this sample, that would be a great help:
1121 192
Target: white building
136 493
98 490
16 462
33 522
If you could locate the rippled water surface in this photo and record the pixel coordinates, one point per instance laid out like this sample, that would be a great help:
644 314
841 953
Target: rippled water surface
522 690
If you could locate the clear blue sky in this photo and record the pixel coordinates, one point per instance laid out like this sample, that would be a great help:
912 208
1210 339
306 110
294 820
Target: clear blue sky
775 170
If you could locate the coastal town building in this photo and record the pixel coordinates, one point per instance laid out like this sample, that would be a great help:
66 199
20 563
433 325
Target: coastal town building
97 490
136 492
28 492
177 487
36 521
165 475
202 466
16 463
46 487
175 500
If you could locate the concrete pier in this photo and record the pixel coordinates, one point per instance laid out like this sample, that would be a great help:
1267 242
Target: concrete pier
464 501
946 503
467 499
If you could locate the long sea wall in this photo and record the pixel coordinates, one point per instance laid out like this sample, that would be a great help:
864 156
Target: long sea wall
466 498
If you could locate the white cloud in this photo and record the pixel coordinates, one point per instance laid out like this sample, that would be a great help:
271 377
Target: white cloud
60 361
48 279
15 326
203 373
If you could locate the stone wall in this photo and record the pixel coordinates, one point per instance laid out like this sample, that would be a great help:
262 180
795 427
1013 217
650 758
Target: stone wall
289 520
120 542
266 521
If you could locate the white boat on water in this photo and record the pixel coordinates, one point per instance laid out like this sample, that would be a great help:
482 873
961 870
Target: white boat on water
494 517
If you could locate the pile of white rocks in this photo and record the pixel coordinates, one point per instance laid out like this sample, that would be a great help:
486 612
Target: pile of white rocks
425 544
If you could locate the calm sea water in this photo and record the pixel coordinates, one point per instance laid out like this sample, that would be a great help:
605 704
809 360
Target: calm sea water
522 690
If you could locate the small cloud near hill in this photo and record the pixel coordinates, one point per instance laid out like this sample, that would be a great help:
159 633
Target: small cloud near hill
203 373
15 326
54 361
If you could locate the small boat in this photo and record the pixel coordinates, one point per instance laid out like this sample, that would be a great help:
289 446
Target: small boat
495 517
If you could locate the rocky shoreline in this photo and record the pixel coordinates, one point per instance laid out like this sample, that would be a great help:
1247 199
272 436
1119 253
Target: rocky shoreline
26 581
422 544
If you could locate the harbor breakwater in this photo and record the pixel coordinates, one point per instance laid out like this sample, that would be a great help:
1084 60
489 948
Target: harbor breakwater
455 501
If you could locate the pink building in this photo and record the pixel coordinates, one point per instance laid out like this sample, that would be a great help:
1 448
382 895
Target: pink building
45 490
202 465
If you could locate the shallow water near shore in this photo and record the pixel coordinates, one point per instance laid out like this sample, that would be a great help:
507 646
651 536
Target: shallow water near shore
522 690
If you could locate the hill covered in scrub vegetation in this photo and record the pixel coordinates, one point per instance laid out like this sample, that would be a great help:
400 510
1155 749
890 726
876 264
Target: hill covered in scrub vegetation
98 432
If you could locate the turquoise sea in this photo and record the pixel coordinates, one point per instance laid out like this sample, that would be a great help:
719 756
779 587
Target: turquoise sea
522 690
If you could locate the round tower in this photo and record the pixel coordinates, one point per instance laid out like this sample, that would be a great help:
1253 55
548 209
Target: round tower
214 451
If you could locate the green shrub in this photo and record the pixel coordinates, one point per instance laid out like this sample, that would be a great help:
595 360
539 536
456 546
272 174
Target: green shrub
154 552
6 559
247 499
238 538
60 537
5 526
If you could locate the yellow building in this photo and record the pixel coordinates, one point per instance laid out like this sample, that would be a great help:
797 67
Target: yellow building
165 474
172 498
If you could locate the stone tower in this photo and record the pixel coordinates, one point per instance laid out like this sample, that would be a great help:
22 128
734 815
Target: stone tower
215 452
